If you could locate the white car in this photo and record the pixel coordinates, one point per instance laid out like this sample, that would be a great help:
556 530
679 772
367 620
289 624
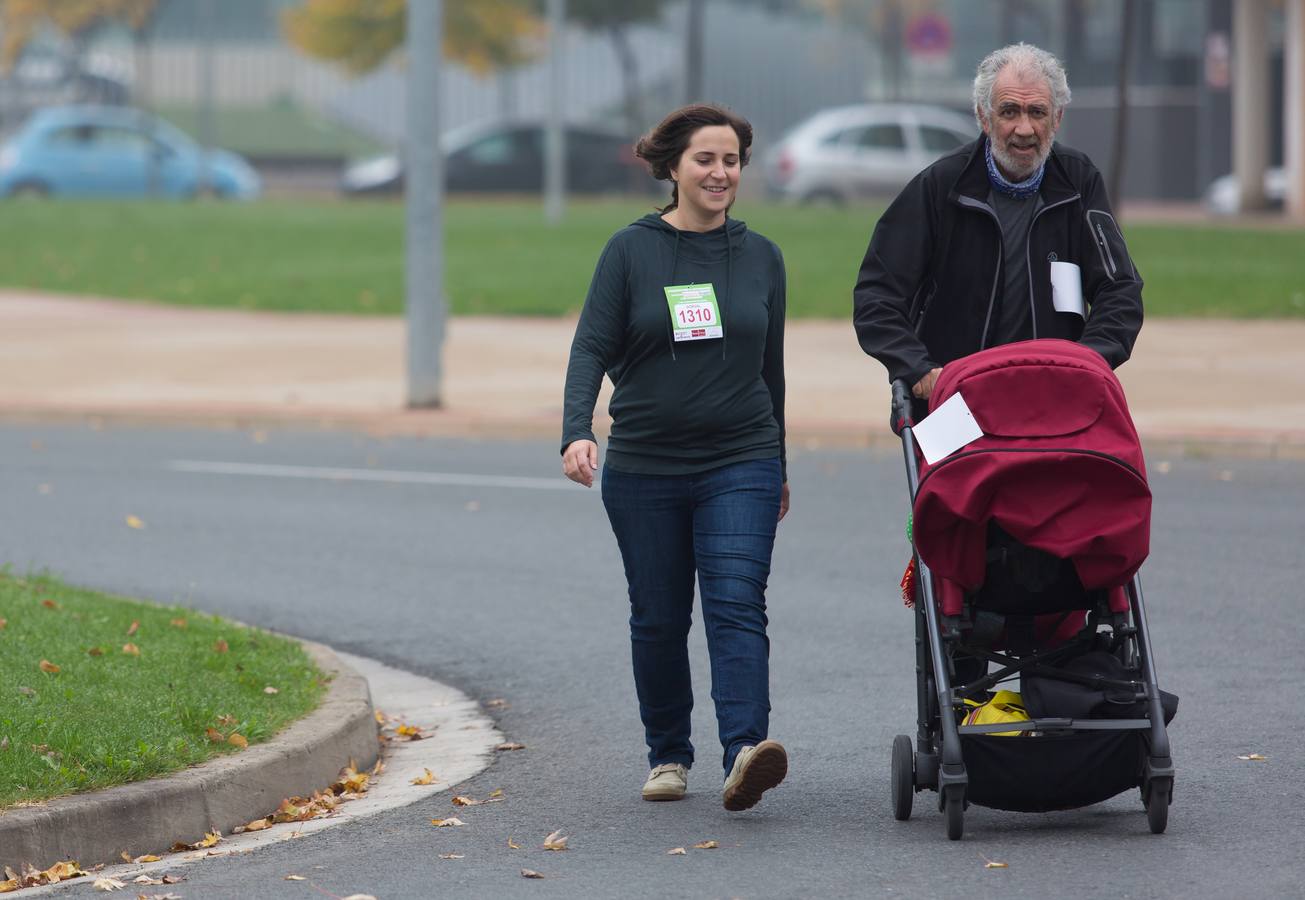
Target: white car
1221 197
871 150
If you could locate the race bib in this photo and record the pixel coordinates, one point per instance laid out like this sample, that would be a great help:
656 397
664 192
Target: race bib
694 313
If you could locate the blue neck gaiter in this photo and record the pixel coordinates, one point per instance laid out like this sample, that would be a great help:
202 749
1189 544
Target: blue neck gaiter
1021 191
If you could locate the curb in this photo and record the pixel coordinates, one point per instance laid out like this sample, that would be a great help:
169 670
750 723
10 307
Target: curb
150 816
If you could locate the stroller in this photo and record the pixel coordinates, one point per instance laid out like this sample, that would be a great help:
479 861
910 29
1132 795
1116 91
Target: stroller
1027 542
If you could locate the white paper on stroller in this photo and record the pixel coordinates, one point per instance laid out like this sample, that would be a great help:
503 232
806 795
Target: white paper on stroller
947 429
1067 288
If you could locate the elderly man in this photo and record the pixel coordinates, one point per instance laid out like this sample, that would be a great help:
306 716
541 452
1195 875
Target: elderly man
964 257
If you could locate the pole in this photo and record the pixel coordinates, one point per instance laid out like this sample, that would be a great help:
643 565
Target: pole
207 123
1250 101
693 51
554 133
1294 119
424 206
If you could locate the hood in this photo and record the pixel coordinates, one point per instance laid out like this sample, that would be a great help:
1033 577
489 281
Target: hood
700 246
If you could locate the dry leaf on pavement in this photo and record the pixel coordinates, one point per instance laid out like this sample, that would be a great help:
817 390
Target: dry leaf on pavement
510 745
530 873
513 845
496 703
410 732
147 858
445 823
47 666
108 884
259 824
360 897
555 841
451 855
993 864
1257 757
135 522
466 801
706 845
428 778
295 878
677 851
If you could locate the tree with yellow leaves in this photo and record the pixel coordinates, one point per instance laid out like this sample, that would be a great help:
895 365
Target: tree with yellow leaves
78 20
360 35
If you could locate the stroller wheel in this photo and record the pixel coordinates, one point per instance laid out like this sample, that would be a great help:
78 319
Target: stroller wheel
1158 795
903 777
954 812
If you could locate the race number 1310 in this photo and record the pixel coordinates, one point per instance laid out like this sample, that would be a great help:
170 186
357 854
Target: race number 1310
695 316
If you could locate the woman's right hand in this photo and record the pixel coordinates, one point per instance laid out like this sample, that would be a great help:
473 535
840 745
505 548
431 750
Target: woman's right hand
580 462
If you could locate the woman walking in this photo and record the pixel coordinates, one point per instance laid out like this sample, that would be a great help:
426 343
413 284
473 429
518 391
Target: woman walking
686 315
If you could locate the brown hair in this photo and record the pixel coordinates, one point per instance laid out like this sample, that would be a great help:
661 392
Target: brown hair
662 147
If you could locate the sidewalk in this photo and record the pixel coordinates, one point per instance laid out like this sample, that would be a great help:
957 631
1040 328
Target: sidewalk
1215 385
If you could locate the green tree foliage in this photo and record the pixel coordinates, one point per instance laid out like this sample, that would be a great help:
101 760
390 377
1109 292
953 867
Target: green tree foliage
21 20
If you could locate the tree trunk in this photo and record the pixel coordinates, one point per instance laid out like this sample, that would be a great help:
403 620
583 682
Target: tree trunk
629 78
693 51
1121 106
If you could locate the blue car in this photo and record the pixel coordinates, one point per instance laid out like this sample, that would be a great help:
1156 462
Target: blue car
110 151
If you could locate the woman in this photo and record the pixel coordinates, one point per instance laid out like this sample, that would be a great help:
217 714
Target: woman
686 315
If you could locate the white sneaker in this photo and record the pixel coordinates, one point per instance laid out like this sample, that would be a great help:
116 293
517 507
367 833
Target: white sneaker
756 770
668 781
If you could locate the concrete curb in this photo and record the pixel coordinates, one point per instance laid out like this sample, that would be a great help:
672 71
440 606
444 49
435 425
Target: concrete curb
150 816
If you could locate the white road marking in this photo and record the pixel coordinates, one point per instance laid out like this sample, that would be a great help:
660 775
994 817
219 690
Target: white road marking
389 476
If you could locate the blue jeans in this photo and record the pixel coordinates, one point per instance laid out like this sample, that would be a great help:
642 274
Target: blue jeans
721 525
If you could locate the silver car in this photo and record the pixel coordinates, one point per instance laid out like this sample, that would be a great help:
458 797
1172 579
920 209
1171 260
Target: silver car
872 150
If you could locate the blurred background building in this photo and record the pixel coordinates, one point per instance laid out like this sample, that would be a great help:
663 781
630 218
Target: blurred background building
236 74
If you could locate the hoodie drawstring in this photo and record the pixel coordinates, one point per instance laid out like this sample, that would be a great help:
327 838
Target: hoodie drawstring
729 274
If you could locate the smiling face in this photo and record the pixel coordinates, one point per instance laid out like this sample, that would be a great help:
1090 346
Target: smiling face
707 174
1021 124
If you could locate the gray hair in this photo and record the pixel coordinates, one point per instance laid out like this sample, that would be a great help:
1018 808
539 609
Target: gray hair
1027 59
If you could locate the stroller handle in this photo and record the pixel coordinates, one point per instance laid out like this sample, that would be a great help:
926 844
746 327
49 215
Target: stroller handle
902 416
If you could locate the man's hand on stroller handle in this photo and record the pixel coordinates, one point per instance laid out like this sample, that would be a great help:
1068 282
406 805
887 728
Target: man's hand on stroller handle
924 387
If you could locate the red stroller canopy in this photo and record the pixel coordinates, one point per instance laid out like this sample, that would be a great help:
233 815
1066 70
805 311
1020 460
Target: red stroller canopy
1059 466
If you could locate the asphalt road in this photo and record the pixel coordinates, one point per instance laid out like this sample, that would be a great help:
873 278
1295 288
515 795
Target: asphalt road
508 587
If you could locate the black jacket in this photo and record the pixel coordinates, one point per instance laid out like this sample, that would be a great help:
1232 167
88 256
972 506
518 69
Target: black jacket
681 408
932 279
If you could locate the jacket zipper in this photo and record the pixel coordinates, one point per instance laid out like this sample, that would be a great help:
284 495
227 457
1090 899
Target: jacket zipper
1028 259
992 296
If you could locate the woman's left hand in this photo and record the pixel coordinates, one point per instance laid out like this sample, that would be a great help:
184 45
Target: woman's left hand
783 502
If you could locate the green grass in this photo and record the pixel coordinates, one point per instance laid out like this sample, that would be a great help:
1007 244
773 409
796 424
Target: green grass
114 718
274 130
347 257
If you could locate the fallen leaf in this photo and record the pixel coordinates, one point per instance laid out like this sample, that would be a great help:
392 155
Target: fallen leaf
991 864
411 732
178 623
496 703
215 736
147 858
220 646
47 666
380 717
133 628
95 651
530 873
295 878
706 845
108 884
145 879
428 778
131 649
258 825
173 879
496 794
226 720
167 896
49 604
445 823
555 841
134 522
510 745
677 851
360 897
210 838
9 885
466 801
451 855
513 845
238 740
351 781
270 690
3 623
1254 756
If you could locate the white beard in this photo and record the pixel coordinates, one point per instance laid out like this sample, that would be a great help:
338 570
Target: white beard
1020 170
